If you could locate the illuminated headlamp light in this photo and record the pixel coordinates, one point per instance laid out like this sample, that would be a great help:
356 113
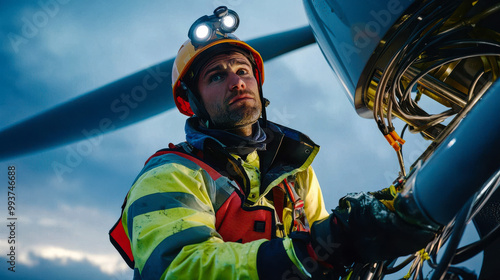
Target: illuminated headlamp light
219 25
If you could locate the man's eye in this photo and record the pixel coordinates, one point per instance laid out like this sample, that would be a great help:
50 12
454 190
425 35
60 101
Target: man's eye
242 72
215 78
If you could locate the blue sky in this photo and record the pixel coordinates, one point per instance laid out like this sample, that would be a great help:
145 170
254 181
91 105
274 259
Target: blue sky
68 48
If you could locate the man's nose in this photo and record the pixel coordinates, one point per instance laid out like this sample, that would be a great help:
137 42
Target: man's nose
236 82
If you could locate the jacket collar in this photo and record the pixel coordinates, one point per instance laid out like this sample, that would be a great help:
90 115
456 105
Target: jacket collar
278 146
197 134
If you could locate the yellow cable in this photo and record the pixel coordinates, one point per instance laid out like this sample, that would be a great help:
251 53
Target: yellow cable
393 190
422 256
348 277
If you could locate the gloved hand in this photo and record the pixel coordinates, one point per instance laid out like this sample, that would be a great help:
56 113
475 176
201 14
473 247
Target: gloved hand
363 229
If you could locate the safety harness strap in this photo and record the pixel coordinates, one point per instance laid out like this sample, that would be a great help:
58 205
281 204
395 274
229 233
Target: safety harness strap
299 220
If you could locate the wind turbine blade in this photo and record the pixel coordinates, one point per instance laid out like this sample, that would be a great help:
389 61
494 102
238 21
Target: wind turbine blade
274 45
120 103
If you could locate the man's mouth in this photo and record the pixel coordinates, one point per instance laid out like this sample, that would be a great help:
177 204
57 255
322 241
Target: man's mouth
240 97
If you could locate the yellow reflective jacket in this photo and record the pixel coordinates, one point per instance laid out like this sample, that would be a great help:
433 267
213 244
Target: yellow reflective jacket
170 215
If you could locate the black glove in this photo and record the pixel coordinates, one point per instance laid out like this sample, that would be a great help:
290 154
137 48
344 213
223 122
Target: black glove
363 229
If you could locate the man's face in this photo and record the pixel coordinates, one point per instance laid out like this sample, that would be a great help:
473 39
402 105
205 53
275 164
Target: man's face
229 91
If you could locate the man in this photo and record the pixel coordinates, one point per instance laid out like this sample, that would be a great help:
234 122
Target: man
236 200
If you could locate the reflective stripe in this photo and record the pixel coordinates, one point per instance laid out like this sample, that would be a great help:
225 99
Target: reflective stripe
168 249
168 158
157 159
224 189
163 201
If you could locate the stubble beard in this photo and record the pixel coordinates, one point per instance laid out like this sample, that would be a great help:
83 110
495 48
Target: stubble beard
234 116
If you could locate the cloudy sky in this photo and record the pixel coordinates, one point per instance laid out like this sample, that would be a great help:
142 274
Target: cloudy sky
69 48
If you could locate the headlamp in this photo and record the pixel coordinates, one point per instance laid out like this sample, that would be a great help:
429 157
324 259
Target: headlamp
216 26
202 32
230 22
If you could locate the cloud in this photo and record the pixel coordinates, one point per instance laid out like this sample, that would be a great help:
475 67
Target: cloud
110 264
65 236
63 266
75 227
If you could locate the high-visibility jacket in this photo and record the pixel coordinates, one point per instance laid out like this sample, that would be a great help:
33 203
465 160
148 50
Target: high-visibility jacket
206 214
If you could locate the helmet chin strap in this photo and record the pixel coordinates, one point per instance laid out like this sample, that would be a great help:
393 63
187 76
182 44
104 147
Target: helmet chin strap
197 107
263 100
